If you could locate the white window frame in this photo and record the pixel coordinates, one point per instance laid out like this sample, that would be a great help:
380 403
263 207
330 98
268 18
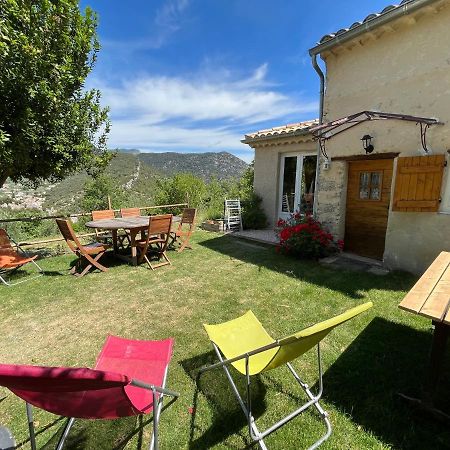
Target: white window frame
298 180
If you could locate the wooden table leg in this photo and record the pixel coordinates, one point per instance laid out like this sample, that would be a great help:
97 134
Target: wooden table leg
440 338
133 234
438 345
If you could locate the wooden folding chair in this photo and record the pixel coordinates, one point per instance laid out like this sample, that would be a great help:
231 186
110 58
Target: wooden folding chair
157 240
184 234
130 212
103 237
12 259
89 253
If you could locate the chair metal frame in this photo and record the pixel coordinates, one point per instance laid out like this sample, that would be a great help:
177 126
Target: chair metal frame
255 434
10 271
154 443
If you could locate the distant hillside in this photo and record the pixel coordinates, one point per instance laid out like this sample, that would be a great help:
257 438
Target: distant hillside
135 171
125 168
222 165
130 172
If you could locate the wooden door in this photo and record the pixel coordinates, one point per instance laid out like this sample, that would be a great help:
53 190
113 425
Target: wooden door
368 198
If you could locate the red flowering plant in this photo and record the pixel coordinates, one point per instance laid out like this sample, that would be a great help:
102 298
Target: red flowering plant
303 236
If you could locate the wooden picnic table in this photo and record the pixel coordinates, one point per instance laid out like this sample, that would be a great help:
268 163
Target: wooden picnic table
132 225
430 297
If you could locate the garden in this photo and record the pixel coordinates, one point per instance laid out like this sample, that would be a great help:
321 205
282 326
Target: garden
59 320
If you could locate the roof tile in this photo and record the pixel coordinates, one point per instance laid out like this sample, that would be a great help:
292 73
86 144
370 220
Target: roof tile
372 16
282 130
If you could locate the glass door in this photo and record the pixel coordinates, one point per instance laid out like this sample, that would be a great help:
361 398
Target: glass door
297 183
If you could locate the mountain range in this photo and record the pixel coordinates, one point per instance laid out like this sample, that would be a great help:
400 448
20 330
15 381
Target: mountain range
221 165
134 170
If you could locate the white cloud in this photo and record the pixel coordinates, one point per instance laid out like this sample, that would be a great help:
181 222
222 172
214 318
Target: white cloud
161 98
140 134
167 21
168 15
206 112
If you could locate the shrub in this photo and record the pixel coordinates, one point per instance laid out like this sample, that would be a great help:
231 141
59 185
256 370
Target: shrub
28 230
180 188
253 216
305 237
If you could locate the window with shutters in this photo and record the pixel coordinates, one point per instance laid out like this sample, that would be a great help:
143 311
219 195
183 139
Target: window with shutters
418 183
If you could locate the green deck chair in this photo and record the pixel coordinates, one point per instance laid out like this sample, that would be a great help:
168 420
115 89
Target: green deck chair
245 344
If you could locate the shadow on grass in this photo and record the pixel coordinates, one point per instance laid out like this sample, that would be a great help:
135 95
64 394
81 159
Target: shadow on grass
101 434
350 283
385 359
109 260
228 417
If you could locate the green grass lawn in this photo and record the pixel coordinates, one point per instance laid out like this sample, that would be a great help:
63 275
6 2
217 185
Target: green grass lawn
61 320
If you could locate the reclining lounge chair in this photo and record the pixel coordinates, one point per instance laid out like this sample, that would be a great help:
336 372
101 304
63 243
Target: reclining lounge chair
13 259
245 344
129 379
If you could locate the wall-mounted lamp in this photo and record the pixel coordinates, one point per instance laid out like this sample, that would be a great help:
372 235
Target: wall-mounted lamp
326 164
367 143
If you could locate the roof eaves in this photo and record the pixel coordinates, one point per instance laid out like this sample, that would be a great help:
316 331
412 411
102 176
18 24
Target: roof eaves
303 132
372 21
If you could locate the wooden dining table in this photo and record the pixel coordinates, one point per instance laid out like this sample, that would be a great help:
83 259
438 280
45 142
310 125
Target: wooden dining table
132 225
430 298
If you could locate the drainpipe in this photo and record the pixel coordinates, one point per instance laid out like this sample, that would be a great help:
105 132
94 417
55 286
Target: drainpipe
322 93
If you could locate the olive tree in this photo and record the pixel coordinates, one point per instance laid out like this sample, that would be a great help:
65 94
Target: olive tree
50 124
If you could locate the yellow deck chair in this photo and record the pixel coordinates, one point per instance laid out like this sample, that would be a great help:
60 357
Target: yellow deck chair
245 344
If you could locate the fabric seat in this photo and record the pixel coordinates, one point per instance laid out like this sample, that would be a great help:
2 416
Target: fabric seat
142 360
242 335
9 261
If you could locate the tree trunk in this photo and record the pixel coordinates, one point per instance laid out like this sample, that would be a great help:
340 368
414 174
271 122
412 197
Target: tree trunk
3 177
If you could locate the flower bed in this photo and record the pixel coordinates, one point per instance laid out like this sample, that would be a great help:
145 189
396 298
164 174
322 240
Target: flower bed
305 237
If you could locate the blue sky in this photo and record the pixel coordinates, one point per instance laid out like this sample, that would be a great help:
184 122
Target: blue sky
196 75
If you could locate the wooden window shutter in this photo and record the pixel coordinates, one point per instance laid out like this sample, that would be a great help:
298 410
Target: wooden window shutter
418 183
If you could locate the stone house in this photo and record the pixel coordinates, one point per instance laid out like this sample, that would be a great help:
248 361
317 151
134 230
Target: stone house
380 148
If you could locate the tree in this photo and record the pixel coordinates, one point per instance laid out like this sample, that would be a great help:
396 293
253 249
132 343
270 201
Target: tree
97 190
180 188
50 126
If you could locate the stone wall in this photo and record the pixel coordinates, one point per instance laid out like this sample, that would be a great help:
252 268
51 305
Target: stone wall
331 197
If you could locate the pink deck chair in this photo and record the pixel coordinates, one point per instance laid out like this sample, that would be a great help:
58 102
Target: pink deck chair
128 380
